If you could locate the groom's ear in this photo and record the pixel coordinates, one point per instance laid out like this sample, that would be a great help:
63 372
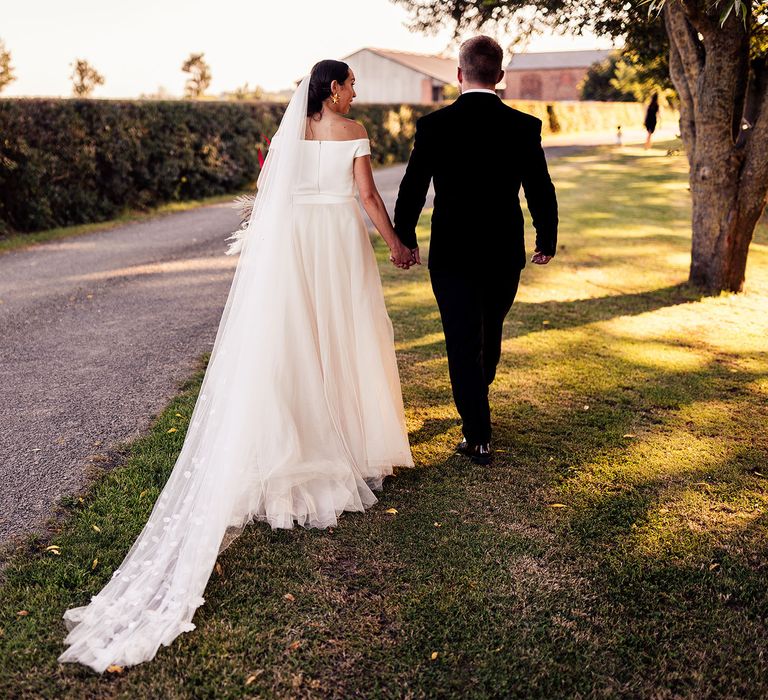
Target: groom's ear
459 75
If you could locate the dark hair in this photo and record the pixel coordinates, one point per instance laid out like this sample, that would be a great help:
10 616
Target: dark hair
480 60
655 98
320 79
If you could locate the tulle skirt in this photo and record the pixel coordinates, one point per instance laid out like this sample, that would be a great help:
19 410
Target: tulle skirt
328 422
299 417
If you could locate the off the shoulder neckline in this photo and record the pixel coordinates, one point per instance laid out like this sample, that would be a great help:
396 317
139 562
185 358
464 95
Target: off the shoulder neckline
334 140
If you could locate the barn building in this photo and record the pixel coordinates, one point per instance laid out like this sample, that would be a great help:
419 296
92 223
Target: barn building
551 75
384 75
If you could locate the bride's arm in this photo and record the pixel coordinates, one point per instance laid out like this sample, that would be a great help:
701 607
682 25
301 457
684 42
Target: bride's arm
374 207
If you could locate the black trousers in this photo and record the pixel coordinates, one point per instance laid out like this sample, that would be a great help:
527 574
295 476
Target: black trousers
472 306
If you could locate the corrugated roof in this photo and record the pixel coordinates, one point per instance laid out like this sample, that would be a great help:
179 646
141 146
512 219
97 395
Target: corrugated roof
557 59
440 68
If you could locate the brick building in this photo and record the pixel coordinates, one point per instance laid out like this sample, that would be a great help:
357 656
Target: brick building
552 75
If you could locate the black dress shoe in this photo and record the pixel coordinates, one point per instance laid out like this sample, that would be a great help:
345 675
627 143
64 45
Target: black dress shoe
479 453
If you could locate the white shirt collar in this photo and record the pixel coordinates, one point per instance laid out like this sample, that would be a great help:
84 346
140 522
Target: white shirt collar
466 92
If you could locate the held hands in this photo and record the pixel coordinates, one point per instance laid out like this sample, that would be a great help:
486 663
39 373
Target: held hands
539 258
403 257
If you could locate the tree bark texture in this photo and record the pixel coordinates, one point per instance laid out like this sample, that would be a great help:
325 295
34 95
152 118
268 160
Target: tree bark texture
722 91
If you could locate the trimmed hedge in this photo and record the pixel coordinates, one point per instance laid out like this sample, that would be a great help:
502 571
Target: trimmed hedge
65 162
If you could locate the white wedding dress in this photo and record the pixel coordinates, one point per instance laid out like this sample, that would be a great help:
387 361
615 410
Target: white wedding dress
299 417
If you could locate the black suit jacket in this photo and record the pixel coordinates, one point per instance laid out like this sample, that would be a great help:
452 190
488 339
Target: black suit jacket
479 152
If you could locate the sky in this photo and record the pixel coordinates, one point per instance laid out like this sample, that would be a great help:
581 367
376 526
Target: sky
140 46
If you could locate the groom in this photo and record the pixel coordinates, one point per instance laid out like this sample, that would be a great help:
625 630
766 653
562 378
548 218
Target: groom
478 151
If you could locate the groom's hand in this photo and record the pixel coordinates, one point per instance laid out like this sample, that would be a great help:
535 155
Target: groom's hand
540 259
401 256
415 255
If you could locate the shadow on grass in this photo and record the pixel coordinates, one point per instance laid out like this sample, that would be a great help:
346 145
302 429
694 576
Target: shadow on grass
530 317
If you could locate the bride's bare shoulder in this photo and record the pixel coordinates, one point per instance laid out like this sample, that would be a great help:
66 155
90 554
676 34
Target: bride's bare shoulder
354 129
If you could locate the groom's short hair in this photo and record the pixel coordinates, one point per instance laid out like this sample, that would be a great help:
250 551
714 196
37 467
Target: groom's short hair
480 60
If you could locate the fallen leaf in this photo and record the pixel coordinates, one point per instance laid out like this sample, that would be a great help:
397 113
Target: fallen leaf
628 435
171 430
95 563
143 493
178 415
22 613
434 655
289 596
96 527
438 524
557 505
294 645
714 566
663 510
391 511
114 669
218 569
253 676
757 473
586 407
545 323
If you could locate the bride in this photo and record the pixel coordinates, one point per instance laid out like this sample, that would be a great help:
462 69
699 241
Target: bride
300 413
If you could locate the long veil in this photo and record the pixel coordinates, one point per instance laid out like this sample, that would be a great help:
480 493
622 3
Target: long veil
152 597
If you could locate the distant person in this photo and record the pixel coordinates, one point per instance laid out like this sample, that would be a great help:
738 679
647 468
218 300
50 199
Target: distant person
619 138
477 248
651 117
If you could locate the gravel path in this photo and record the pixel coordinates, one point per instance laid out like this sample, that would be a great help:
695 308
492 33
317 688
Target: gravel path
97 333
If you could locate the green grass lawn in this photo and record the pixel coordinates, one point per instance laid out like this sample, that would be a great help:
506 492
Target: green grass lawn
617 546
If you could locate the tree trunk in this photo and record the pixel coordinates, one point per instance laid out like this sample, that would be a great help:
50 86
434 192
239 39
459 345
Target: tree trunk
710 68
722 231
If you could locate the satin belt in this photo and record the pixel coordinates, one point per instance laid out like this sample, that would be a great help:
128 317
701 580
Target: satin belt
321 198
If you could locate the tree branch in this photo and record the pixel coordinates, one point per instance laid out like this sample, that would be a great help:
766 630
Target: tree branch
754 172
700 20
680 81
689 48
742 79
720 91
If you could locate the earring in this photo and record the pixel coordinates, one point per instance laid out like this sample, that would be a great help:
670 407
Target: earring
335 98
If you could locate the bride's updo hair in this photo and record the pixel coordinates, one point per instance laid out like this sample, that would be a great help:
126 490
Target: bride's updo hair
323 73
